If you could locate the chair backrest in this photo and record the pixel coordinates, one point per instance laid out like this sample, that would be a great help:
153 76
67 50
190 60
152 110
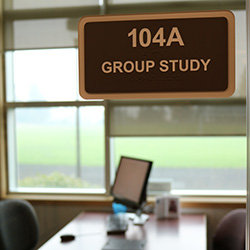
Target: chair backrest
230 231
18 225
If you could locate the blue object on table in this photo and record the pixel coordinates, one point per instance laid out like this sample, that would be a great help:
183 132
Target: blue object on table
118 208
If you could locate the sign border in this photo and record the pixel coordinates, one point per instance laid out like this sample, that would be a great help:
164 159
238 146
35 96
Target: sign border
152 16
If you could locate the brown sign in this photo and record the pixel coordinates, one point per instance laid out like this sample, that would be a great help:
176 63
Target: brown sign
170 55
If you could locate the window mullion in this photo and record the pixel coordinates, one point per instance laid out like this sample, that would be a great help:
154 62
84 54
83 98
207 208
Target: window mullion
13 171
108 151
78 144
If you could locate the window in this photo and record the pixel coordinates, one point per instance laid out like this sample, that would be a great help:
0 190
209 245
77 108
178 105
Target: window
191 162
58 142
44 75
38 4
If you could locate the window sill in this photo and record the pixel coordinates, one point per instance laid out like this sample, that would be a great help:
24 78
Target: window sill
99 200
59 191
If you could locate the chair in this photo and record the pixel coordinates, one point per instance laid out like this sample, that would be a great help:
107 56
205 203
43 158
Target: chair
230 232
18 225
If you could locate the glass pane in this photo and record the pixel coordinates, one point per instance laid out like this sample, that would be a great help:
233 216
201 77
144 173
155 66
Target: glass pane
42 75
178 119
138 1
41 33
31 4
47 149
190 163
92 145
241 54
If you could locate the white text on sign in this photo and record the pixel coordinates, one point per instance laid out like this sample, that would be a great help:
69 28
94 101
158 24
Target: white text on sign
144 37
164 66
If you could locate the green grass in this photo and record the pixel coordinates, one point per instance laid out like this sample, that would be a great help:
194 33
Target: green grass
57 146
212 152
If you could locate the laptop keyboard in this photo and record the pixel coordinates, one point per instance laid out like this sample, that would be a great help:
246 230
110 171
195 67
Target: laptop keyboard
116 224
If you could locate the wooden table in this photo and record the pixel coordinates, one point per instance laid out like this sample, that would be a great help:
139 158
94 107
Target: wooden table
186 233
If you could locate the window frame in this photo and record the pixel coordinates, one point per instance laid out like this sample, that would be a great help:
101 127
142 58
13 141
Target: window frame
106 8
